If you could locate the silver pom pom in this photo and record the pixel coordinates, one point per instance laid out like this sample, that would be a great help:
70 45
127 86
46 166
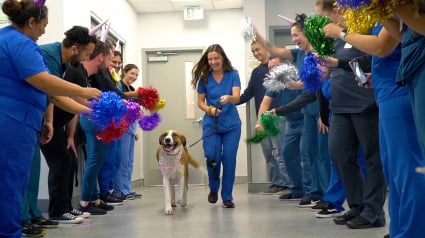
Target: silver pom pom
247 29
280 76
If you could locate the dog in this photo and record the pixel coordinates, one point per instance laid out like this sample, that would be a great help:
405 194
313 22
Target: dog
174 159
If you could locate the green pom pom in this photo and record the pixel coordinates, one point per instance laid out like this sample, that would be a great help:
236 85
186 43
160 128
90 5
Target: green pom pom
257 138
313 29
270 123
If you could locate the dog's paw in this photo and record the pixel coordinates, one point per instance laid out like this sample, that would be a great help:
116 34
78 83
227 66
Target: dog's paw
168 211
183 204
173 204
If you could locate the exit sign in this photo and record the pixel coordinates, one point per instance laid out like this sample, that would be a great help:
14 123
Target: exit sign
193 13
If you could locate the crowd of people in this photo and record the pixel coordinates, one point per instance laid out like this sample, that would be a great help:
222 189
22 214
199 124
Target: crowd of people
343 142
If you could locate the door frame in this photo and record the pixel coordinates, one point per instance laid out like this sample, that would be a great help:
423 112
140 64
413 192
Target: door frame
145 52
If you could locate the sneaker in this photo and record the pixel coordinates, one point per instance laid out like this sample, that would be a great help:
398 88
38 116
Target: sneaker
307 202
290 197
130 196
137 195
104 206
212 197
281 192
78 213
272 189
109 199
29 230
92 209
68 218
328 212
42 222
228 204
319 206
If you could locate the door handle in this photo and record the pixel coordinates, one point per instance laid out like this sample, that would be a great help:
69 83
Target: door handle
199 120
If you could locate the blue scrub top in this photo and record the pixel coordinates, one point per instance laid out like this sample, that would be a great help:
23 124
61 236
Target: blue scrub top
20 58
229 117
412 55
384 71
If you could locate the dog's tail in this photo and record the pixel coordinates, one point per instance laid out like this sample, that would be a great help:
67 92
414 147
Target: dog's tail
194 163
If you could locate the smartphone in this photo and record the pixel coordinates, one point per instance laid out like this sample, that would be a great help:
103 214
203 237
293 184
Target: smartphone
354 65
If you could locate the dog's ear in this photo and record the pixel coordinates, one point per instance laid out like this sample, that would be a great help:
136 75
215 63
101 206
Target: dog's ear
183 138
161 138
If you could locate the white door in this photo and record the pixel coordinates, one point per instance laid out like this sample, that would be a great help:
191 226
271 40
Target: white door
169 70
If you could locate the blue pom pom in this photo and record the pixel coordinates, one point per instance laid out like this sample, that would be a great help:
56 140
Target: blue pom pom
310 74
110 107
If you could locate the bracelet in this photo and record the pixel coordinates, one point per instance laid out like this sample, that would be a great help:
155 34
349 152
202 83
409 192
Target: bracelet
342 35
209 110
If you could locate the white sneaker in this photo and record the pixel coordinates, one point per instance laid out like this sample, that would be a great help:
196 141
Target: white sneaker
81 214
68 218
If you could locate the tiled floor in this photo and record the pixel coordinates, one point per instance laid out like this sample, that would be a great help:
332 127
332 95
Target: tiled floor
254 216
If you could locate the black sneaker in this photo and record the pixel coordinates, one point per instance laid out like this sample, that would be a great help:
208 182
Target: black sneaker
228 204
110 199
134 194
78 213
104 206
319 206
92 209
328 212
68 218
29 230
290 197
42 222
307 201
129 196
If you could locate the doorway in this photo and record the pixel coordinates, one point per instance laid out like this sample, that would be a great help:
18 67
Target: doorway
170 72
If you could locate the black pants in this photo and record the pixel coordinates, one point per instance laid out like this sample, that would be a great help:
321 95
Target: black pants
365 196
62 164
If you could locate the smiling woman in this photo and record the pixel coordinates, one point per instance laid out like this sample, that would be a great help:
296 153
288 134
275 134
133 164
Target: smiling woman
24 82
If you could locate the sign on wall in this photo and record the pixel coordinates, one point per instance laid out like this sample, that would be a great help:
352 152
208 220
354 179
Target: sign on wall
4 21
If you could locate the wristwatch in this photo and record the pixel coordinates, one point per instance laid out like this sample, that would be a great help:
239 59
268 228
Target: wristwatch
342 35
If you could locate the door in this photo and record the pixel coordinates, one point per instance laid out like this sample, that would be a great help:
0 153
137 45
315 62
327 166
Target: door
170 71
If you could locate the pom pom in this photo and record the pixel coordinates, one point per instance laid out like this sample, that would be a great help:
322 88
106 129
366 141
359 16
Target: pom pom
270 123
39 3
149 123
279 76
109 107
257 138
159 104
113 132
313 28
361 16
133 112
310 74
148 97
247 29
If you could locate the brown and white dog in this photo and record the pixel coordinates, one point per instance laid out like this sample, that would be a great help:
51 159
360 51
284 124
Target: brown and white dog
174 159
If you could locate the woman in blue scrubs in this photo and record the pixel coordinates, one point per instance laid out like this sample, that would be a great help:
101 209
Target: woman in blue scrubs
218 86
24 82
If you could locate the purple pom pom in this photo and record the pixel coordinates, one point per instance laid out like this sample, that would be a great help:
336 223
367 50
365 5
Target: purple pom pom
133 112
39 3
149 123
310 74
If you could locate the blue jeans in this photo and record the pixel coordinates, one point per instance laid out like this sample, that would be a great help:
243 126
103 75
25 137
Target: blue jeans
110 167
96 156
291 155
272 151
122 185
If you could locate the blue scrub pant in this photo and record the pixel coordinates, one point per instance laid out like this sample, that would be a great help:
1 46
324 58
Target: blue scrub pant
29 206
16 154
416 86
401 154
318 154
221 148
272 151
122 185
110 167
291 155
96 156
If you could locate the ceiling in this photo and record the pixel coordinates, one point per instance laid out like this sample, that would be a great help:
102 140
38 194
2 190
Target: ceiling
152 6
